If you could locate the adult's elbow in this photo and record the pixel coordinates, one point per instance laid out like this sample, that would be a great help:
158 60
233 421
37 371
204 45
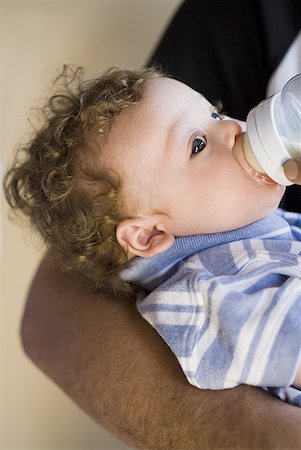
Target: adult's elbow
28 332
35 323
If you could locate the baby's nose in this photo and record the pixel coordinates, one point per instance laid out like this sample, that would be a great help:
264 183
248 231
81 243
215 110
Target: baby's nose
228 131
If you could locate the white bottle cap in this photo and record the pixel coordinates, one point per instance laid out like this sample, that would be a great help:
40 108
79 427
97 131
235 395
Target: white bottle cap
265 140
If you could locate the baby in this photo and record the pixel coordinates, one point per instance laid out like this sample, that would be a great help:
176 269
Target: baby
137 180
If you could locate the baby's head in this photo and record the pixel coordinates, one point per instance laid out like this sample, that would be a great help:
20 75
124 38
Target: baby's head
127 163
61 179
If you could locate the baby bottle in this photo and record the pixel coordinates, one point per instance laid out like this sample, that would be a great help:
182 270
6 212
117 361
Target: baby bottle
274 132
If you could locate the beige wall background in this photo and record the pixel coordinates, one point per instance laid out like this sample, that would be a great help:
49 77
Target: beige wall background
36 39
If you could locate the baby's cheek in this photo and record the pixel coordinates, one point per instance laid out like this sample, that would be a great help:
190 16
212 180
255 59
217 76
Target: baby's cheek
242 125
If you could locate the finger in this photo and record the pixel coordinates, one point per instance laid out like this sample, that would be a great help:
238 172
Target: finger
292 170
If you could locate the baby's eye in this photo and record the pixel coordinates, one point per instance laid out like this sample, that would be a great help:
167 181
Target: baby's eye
216 115
198 145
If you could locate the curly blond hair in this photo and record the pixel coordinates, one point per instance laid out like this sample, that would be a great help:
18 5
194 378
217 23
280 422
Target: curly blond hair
53 181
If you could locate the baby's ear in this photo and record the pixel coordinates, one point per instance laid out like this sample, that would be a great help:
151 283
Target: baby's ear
143 236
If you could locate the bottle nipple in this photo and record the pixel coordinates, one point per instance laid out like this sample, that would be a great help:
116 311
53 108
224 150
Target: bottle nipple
249 155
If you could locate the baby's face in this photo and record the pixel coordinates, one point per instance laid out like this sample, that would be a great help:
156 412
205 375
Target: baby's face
177 158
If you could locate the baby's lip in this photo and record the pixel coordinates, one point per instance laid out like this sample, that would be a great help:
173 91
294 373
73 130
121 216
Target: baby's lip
238 154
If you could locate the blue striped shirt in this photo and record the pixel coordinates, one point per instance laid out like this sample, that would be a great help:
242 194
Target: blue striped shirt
229 304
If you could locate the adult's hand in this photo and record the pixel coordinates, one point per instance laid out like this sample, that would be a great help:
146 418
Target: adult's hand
292 170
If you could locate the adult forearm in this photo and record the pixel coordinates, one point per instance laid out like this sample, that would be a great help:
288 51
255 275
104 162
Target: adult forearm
116 368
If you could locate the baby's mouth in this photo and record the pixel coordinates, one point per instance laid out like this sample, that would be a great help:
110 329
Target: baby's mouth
250 172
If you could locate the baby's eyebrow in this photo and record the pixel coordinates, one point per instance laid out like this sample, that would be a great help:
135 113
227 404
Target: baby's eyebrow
209 105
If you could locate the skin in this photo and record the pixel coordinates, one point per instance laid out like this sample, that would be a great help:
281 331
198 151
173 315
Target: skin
173 155
123 375
292 170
